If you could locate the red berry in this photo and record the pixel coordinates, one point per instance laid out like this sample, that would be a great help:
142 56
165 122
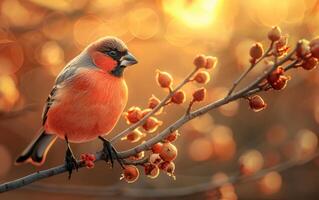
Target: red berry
256 103
179 97
200 61
164 79
151 170
157 148
133 115
172 136
199 94
130 174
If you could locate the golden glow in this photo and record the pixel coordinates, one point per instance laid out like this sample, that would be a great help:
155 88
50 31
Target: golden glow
196 13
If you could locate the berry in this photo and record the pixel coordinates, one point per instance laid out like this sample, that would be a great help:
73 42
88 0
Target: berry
130 173
274 34
303 49
200 61
179 97
199 94
202 77
211 62
151 170
256 51
169 152
151 124
157 148
133 115
172 136
310 63
134 136
256 103
164 79
153 102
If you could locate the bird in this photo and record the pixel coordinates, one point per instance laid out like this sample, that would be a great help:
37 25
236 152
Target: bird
85 103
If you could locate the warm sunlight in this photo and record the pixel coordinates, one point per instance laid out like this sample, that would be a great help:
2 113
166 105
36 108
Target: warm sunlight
194 13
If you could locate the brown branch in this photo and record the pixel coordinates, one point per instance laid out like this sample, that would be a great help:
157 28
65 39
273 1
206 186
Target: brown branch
247 91
119 189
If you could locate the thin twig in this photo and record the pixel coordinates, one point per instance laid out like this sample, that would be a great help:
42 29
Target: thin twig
245 73
154 110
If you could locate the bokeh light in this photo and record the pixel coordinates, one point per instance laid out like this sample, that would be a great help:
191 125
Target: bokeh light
200 149
270 183
250 162
223 142
195 13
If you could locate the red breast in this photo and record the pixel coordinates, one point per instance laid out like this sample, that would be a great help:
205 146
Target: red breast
87 106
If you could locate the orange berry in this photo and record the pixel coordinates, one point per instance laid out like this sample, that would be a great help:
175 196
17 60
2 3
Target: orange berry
178 97
200 61
199 94
151 170
274 34
130 173
202 77
157 148
134 136
155 159
169 152
133 115
164 79
256 103
151 124
310 63
153 102
172 136
256 51
211 62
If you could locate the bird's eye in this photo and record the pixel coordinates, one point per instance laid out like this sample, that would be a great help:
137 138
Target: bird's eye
112 53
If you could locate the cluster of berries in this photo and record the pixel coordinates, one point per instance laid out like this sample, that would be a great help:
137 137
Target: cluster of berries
306 56
162 154
88 159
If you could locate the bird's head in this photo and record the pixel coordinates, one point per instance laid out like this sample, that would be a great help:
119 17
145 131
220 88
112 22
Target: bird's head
111 55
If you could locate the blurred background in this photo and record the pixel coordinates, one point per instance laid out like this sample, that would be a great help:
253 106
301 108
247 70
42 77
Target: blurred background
37 38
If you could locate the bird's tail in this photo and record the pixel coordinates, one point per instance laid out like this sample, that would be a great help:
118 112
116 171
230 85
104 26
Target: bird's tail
36 152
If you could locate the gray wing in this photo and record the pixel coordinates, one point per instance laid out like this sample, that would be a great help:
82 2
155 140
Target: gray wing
65 74
82 60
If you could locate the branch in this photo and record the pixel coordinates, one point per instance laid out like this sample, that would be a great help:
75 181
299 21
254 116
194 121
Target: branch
253 88
167 192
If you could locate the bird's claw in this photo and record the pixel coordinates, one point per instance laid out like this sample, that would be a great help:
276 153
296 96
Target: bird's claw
70 162
110 153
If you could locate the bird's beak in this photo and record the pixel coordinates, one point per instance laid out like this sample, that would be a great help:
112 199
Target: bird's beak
128 60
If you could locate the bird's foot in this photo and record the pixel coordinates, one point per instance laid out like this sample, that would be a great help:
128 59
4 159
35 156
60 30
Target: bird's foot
70 162
109 153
